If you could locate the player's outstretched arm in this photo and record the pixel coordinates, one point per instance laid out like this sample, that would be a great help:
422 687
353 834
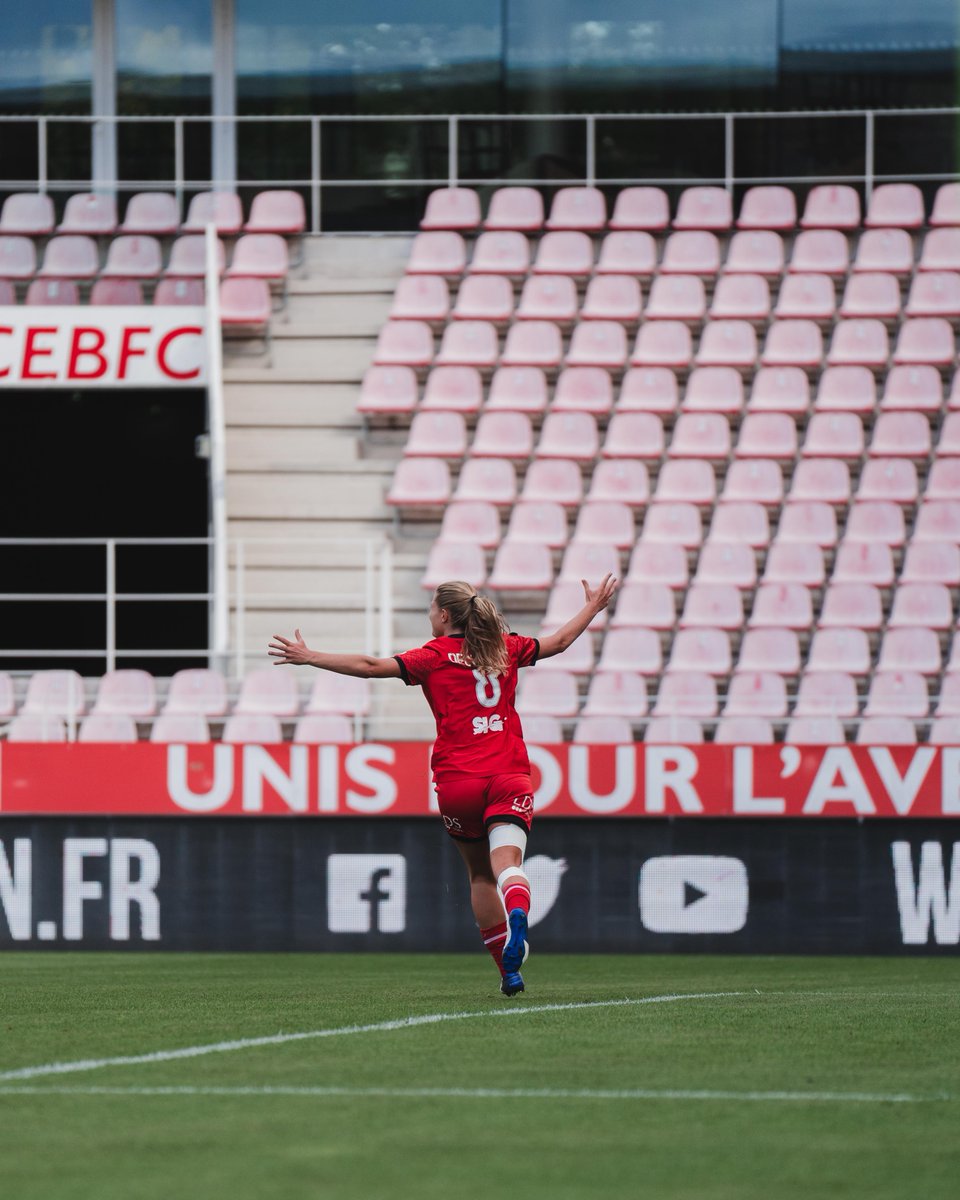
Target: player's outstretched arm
297 653
595 600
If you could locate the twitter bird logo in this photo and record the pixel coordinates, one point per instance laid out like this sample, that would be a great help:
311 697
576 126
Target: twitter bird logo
544 874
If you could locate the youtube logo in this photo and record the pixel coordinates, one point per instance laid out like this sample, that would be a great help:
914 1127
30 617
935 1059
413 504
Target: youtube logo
694 893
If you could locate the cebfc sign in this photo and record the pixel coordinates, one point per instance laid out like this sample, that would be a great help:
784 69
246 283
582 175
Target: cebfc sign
393 779
54 347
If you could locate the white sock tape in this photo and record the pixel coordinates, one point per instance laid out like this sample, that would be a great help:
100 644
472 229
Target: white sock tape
508 835
509 873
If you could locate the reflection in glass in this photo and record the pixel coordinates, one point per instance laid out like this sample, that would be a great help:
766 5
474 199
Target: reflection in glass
46 57
164 56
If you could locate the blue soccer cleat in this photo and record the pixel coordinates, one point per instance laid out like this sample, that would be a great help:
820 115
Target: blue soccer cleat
511 983
516 949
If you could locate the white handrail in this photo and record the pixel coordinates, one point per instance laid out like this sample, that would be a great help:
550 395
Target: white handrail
219 611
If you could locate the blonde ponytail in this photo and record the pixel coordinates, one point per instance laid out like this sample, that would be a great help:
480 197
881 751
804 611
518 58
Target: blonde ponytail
483 628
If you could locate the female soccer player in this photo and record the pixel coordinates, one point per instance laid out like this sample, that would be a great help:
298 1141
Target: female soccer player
468 672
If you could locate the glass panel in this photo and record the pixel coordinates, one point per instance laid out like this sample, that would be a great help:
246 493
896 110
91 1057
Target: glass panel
46 57
20 158
273 151
677 149
365 209
145 152
800 147
523 150
69 151
164 56
384 151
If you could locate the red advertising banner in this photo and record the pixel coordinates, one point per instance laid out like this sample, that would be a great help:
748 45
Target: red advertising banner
384 779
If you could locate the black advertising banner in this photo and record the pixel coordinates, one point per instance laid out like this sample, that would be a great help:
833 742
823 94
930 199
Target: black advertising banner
747 886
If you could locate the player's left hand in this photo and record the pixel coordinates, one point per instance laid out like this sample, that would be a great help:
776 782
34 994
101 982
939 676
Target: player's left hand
600 596
295 652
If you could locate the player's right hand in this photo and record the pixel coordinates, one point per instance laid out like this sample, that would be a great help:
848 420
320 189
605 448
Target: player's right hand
295 652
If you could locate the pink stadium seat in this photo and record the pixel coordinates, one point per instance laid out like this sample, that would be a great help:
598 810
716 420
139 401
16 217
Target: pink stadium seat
89 213
714 389
925 605
603 731
889 250
741 297
469 344
768 207
827 694
886 731
820 252
450 389
221 209
252 728
565 601
598 344
151 214
663 344
841 649
8 293
846 389
678 524
612 298
756 481
473 521
932 562
825 479
901 434
277 211
388 390
245 302
107 727
640 208
815 731
949 703
770 650
617 693
548 298
659 562
130 692
831 206
634 435
897 694
691 252
944 731
809 297
728 563
780 389
700 435
743 731
690 480
437 436
704 208
533 344
515 208
862 341
756 694
502 435
941 250
714 605
687 694
404 343
834 435
767 436
808 521
943 482
946 205
346 694
876 521
851 605
420 482
521 567
622 479
553 695
417 298
30 727
188 257
564 253
125 292
673 731
938 521
179 291
55 694
781 606
589 560
543 522
627 254
704 650
18 257
583 389
755 253
542 731
27 213
441 253
895 204
518 389
864 562
323 729
934 294
582 208
134 257
631 650
484 298
452 208
870 295
197 690
52 291
795 562
186 728
605 521
648 389
911 649
570 435
454 560
925 340
506 254
917 388
677 298
648 605
728 343
554 479
948 444
70 257
267 690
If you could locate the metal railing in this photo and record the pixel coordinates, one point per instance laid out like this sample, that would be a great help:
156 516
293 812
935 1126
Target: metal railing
313 180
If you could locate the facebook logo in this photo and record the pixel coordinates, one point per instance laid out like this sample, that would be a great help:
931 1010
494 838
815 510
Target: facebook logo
366 893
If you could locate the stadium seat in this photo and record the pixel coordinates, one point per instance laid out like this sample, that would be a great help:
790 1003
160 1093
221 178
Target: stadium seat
454 560
700 435
943 482
130 692
468 344
809 297
70 257
179 291
449 389
663 344
612 298
945 731
714 389
277 211
564 253
831 206
627 254
323 729
421 482
542 730
565 601
823 479
266 690
781 606
589 560
744 731
808 521
647 605
840 649
876 521
937 521
151 214
886 731
608 522
795 562
872 295
417 298
677 298
543 522
630 649
107 727
569 435
474 521
517 389
188 257
895 204
29 214
897 694
441 253
634 435
901 435
916 388
583 208
603 731
245 303
703 649
846 389
932 562
135 257
827 694
728 343
186 728
257 728
347 694
90 213
727 563
745 522
678 524
598 344
834 435
502 435
659 562
770 649
946 205
686 694
405 344
61 292
648 389
36 727
910 649
55 693
7 700
851 605
704 208
18 257
673 731
889 250
550 695
861 341
548 298
691 252
767 436
755 253
221 209
616 693
388 390
864 562
926 605
815 731
756 694
197 690
8 293
949 441
780 389
554 479
768 207
640 208
625 480
925 340
451 208
533 344
515 208
483 298
934 294
586 389
941 251
741 298
949 703
691 480
820 252
521 567
712 605
125 292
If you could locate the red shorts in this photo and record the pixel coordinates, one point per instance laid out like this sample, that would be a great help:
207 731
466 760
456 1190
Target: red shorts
469 804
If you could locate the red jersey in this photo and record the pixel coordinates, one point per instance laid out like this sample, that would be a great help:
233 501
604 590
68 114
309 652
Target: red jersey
478 729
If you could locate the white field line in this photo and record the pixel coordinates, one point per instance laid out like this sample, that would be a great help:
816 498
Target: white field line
491 1094
279 1039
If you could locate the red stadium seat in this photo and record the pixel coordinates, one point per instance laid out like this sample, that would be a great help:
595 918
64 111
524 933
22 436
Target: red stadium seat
767 436
897 694
934 294
780 389
741 298
631 650
851 605
130 692
245 303
125 292
647 605
617 693
912 648
420 482
52 291
864 562
640 208
941 251
451 208
151 214
704 208
925 605
518 389
781 606
473 521
678 524
827 694
598 344
27 213
583 389
252 728
107 727
521 567
840 649
876 521
179 291
221 209
484 298
714 605
648 389
932 562
70 257
895 204
627 254
831 206
756 694
659 562
323 729
454 560
815 731
834 435
727 563
687 694
622 479
677 298
938 521
605 521
824 479
90 213
704 650
503 435
449 389
691 480
820 252
558 480
673 731
795 562
564 253
770 649
728 343
755 253
543 522
55 693
18 258
846 389
714 389
886 731
28 727
188 257
186 728
872 295
441 253
603 731
517 208
199 691
553 695
768 207
266 690
612 298
663 344
277 211
888 250
548 298
925 340
691 252
917 388
570 435
901 434
700 435
346 694
743 731
582 208
808 297
745 522
404 343
808 521
533 344
388 390
417 298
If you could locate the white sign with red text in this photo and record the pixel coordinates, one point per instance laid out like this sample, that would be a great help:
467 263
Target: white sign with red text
86 346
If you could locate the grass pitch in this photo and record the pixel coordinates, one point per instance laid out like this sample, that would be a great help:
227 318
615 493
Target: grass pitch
816 1077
